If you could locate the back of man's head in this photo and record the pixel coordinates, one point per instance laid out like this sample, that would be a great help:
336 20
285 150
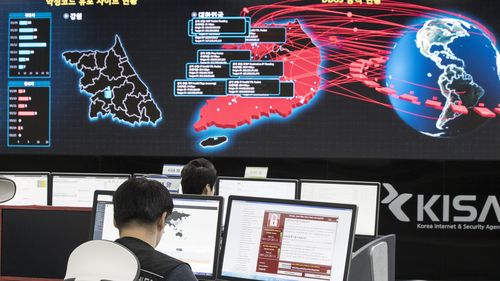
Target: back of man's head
141 201
196 175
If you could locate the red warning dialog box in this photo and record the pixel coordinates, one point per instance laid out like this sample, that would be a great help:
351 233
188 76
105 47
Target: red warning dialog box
298 245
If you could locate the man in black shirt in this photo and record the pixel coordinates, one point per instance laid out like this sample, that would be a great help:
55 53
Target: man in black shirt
198 177
141 207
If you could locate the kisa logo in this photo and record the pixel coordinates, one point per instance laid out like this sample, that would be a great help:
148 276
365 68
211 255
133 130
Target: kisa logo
459 208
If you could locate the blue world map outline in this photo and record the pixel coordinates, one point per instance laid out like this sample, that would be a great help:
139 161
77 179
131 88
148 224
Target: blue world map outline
440 33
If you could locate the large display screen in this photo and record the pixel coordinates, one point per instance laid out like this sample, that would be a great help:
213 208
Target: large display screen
328 78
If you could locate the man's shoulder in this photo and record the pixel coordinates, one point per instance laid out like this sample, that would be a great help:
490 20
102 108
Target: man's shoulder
157 255
151 260
164 265
182 273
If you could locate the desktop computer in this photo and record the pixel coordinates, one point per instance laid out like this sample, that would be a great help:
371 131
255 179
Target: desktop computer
269 188
76 190
365 195
192 231
31 188
173 184
273 239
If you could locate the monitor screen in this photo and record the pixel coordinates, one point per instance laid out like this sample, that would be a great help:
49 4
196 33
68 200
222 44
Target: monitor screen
269 188
269 239
31 188
366 195
191 234
36 241
173 184
77 190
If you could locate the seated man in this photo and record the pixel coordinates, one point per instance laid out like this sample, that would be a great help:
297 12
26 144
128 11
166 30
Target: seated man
198 177
141 207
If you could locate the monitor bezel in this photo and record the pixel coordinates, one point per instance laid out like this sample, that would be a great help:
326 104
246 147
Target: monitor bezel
217 182
377 184
232 198
49 183
52 175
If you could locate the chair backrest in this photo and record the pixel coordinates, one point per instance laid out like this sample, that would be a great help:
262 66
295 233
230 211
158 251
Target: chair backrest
374 261
379 262
7 189
98 260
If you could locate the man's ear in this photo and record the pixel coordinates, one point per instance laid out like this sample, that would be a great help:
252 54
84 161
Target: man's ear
161 221
207 190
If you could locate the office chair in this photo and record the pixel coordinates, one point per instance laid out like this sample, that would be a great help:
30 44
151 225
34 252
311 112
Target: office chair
371 262
100 260
379 264
7 189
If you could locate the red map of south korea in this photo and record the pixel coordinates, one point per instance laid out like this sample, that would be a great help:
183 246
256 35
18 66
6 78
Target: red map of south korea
301 62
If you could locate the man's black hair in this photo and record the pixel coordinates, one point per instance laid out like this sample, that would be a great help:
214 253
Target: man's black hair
141 200
196 175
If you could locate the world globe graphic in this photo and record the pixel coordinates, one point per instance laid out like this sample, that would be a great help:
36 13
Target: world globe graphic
444 60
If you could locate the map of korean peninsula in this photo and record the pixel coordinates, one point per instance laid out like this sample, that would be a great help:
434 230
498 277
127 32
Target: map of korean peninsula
114 87
301 59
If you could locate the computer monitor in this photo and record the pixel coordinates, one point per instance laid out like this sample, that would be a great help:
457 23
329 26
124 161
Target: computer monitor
102 226
77 190
273 239
366 195
36 241
31 188
173 184
191 235
268 188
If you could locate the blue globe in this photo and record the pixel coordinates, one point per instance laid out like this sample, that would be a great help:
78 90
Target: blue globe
448 61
